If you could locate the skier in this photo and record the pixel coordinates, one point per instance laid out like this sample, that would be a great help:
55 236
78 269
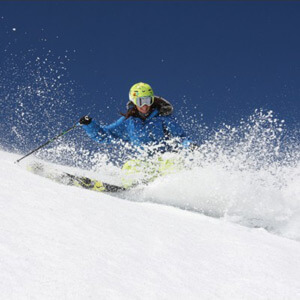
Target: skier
148 121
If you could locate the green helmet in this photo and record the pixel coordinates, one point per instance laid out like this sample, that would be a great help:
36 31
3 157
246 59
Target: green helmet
140 90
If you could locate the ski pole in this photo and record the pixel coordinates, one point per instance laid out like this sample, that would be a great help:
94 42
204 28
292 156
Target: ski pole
48 142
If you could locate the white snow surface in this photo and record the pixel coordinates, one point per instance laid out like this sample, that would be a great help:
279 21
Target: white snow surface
62 242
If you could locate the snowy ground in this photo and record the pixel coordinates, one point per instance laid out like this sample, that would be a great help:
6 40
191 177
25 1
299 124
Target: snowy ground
60 242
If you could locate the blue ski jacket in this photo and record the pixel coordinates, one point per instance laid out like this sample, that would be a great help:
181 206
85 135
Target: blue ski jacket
155 129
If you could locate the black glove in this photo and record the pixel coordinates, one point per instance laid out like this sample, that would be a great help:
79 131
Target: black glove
85 120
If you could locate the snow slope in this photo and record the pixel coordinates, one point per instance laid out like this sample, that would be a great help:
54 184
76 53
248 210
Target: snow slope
60 242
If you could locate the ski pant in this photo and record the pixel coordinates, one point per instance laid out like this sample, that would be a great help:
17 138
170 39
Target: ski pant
137 171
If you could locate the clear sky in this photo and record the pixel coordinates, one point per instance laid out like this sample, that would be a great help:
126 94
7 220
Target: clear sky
226 57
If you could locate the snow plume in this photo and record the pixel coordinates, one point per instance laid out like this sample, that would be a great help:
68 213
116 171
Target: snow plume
36 98
248 174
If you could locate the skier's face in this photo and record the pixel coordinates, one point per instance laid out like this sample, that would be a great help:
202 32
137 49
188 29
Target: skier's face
144 109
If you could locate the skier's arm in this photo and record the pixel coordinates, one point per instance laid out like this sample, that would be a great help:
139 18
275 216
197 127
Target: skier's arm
106 134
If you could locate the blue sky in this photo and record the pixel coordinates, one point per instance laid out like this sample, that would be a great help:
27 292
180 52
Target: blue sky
227 58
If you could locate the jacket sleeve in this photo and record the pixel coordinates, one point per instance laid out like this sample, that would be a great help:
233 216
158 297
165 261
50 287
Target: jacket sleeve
107 134
175 130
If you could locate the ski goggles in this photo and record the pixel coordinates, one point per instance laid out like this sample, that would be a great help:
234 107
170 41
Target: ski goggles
141 101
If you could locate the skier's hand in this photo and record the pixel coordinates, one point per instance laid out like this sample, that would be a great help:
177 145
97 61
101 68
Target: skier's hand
85 120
